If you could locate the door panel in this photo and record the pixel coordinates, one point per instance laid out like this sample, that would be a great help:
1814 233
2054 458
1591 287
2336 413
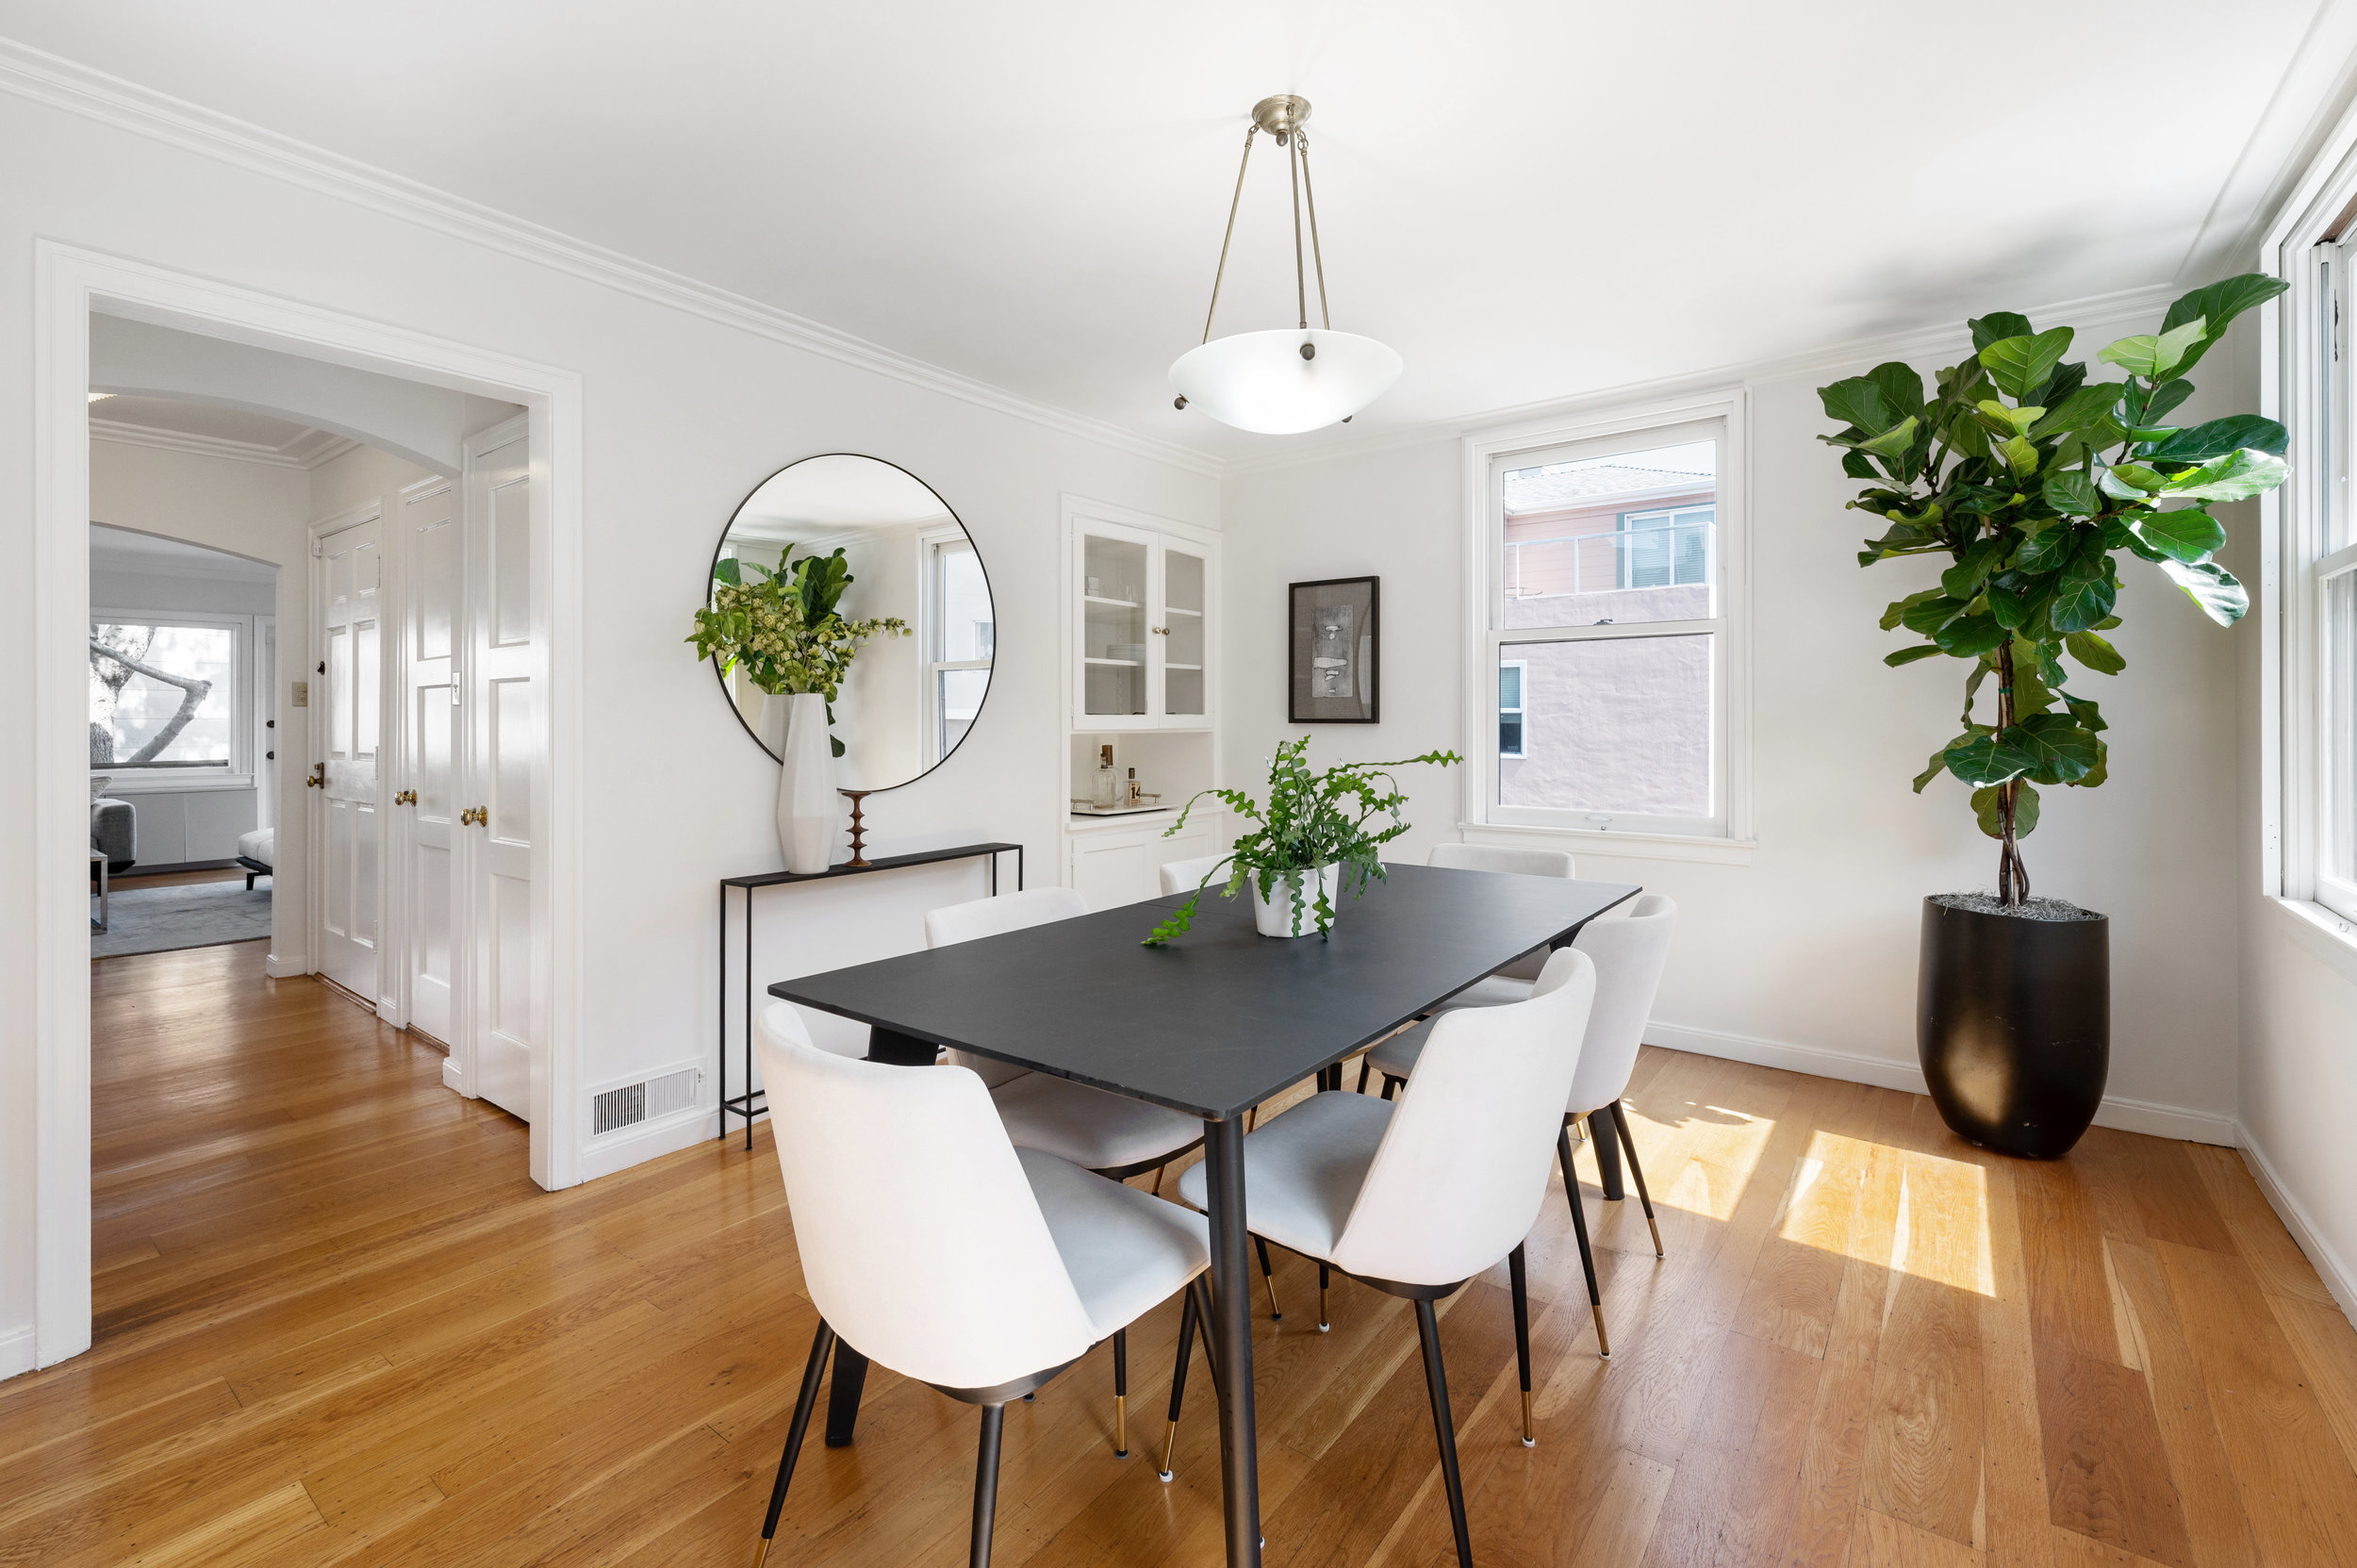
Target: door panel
499 696
431 748
349 614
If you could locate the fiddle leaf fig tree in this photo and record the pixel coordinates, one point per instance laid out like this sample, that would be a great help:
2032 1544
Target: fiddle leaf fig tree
2029 479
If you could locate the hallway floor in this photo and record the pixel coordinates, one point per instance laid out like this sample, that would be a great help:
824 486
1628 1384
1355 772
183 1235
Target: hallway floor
337 1323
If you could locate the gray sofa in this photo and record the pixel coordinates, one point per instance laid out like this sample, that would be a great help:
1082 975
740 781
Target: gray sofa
114 832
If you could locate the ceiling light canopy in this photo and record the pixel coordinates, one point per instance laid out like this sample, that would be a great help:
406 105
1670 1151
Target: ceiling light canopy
1289 380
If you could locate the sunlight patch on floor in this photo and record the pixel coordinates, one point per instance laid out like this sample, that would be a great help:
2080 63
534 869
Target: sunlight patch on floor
1936 1209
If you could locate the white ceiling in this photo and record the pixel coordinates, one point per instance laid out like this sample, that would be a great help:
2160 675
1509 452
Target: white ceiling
1528 199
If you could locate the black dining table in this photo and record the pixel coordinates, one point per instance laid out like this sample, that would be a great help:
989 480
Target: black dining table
1213 1024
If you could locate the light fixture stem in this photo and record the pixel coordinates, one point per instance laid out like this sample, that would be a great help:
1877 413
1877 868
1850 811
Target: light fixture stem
1301 291
1310 193
1250 131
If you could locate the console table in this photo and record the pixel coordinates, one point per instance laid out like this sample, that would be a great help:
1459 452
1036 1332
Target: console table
743 1105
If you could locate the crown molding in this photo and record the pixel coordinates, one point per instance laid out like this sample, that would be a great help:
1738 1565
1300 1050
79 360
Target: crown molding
2119 308
307 451
42 77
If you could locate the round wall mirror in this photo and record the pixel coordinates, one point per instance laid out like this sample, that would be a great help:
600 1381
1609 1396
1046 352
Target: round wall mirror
907 698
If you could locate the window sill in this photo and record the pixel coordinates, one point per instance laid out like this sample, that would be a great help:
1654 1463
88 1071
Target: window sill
123 787
1632 846
2322 932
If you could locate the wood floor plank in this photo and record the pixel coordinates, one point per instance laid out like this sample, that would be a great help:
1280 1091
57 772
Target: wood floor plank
339 1325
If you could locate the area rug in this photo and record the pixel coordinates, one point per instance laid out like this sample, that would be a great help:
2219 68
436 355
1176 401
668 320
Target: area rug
194 914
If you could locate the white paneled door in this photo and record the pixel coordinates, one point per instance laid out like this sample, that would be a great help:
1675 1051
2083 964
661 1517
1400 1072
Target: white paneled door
349 581
432 622
496 682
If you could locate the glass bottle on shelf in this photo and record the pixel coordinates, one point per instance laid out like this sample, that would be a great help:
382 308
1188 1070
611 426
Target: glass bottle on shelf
1108 792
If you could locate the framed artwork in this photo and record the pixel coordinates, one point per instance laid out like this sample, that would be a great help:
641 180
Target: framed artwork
1335 642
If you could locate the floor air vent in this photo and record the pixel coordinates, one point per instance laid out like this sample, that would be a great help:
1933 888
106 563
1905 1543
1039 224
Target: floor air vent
634 1103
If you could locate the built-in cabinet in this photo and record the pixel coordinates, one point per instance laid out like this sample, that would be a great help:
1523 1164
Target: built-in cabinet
1142 639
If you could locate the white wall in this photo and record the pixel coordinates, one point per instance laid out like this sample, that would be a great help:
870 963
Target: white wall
1806 956
252 509
685 414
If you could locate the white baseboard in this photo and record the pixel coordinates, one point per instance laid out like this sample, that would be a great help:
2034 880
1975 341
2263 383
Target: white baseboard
621 1150
16 1351
284 968
450 1077
2128 1115
2330 1265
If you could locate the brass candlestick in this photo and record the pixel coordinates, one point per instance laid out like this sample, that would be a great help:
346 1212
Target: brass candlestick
858 858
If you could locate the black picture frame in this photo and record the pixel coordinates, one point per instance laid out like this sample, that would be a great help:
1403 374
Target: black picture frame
1318 615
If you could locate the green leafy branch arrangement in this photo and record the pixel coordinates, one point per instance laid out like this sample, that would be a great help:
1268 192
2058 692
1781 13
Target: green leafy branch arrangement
2028 478
1313 820
781 627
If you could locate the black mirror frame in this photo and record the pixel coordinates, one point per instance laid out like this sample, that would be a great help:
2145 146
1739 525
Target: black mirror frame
720 678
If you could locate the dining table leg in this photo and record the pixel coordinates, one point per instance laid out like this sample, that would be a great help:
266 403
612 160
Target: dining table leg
1230 1334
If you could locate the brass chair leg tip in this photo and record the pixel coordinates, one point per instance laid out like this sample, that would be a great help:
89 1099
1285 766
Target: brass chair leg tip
763 1555
1162 1475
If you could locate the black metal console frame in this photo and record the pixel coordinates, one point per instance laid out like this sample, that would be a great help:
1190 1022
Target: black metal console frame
743 1105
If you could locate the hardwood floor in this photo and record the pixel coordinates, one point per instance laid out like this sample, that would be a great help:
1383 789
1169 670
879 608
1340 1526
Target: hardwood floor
337 1323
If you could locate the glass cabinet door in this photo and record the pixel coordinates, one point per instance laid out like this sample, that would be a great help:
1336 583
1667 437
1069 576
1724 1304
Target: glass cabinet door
1184 635
1116 582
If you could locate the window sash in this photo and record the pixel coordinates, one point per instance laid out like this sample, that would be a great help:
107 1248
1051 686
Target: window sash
236 770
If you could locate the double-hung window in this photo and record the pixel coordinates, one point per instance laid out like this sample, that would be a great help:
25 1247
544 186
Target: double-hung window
1606 644
2315 592
959 637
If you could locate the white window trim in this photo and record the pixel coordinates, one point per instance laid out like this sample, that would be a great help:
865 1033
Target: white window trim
238 774
2295 523
929 633
1521 689
1484 564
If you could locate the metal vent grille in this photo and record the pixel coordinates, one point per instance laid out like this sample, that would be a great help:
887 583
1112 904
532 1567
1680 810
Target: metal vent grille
634 1103
623 1107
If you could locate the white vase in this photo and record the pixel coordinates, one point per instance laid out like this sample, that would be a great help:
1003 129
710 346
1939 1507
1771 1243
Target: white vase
808 807
1276 917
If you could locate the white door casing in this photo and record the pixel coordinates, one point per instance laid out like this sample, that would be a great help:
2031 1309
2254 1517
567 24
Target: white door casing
496 682
348 577
425 820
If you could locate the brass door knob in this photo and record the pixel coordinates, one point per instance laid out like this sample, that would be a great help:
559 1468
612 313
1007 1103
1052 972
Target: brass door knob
478 817
318 779
406 798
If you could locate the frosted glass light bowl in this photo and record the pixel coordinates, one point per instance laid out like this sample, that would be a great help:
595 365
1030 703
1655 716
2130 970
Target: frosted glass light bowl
1258 381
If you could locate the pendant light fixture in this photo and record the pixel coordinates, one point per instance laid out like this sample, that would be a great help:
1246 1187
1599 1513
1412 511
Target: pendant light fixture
1292 379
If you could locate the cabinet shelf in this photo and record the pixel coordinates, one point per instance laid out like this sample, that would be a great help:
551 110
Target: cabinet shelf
1122 603
1117 664
1176 609
1182 666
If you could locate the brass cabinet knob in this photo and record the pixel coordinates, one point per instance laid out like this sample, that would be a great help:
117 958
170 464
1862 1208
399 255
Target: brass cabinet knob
406 798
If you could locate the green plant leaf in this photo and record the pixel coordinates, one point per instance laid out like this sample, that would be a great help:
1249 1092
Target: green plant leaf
2072 493
1857 465
2094 653
2080 409
1897 608
1893 442
1901 385
1937 765
1858 402
2049 748
1929 615
727 570
2091 717
2044 546
1963 580
2220 437
2022 364
2031 693
1988 805
2020 457
2217 305
2154 357
1997 326
2097 774
2180 536
1969 634
2008 604
2212 586
1908 655
2080 603
1974 759
2003 421
2236 476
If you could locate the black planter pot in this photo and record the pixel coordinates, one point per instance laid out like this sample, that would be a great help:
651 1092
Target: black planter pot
2014 1025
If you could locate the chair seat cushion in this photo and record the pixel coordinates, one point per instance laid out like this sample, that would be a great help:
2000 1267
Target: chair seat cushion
1495 991
260 846
1302 1170
1094 1130
1126 1250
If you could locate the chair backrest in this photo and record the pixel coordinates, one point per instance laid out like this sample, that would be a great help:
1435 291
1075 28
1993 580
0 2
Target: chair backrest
1185 876
981 918
1456 1182
1489 857
919 1238
1629 956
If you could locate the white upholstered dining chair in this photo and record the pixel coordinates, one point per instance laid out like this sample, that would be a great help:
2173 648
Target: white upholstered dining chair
930 1243
1107 1133
1629 956
1185 876
1416 1198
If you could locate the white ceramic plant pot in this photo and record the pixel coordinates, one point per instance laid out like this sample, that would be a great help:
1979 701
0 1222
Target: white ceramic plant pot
1275 917
808 807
